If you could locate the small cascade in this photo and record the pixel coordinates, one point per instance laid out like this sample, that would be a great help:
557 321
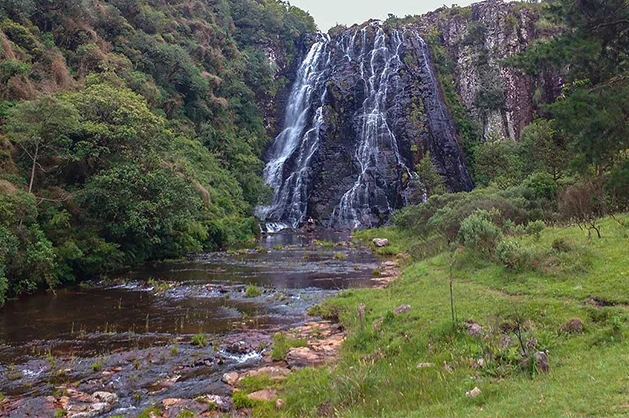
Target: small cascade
380 66
288 169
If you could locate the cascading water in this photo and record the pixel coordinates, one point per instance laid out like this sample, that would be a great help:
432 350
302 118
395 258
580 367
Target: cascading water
345 155
298 142
379 70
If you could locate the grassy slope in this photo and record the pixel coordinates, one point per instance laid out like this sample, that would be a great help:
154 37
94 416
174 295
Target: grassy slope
377 375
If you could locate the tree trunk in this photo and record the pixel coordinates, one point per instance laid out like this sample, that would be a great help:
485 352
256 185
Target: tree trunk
34 167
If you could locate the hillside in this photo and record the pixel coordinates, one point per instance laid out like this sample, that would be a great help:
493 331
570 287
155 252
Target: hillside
133 131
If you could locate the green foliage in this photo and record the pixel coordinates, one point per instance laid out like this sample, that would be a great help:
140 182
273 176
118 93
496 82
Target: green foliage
146 140
542 148
27 259
42 129
200 340
496 162
535 228
590 126
431 182
252 291
479 234
512 256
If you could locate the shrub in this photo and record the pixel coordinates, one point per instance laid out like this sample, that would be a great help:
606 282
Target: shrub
479 234
252 291
535 228
583 204
200 340
512 256
560 245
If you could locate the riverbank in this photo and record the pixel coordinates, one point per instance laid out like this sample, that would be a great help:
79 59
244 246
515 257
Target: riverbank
165 336
549 341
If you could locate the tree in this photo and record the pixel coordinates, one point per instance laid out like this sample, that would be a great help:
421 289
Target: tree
542 148
431 183
146 209
583 204
41 128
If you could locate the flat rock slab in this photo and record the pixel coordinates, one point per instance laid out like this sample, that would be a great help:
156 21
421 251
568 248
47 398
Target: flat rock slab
273 372
265 395
174 407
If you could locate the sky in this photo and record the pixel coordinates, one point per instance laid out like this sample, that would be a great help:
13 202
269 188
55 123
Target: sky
328 13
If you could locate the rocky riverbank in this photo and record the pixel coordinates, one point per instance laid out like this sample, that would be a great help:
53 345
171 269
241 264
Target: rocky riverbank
166 374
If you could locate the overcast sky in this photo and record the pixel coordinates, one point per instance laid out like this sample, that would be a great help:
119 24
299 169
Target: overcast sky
328 13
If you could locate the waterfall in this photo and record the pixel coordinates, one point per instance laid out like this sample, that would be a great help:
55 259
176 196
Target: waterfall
379 70
295 146
362 163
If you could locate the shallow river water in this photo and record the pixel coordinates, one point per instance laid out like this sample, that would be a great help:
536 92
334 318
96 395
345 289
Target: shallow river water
145 313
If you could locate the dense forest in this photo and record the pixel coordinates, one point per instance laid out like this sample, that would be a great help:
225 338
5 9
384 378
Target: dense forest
130 131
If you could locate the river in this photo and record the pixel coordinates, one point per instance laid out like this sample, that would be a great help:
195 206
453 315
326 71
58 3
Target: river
132 333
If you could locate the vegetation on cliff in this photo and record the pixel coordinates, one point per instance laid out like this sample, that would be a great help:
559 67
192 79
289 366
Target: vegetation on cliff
132 131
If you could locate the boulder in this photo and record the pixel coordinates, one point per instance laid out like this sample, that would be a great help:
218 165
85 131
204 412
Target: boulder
380 242
402 309
230 378
473 393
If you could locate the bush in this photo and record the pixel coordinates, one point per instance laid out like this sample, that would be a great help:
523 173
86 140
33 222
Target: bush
479 234
535 228
512 256
560 245
583 204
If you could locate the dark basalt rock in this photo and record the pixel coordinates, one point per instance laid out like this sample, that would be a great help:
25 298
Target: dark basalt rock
372 106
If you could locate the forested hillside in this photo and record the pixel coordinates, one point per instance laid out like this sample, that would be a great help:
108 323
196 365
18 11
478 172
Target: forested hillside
130 131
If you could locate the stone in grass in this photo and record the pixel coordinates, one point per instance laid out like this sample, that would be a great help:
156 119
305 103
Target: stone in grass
542 361
220 403
264 395
402 309
473 393
425 365
380 242
473 328
574 326
273 372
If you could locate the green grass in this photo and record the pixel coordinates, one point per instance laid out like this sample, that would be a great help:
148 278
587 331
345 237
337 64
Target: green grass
377 374
200 340
283 344
252 291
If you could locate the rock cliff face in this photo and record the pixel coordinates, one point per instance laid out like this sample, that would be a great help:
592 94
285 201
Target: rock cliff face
478 39
367 104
